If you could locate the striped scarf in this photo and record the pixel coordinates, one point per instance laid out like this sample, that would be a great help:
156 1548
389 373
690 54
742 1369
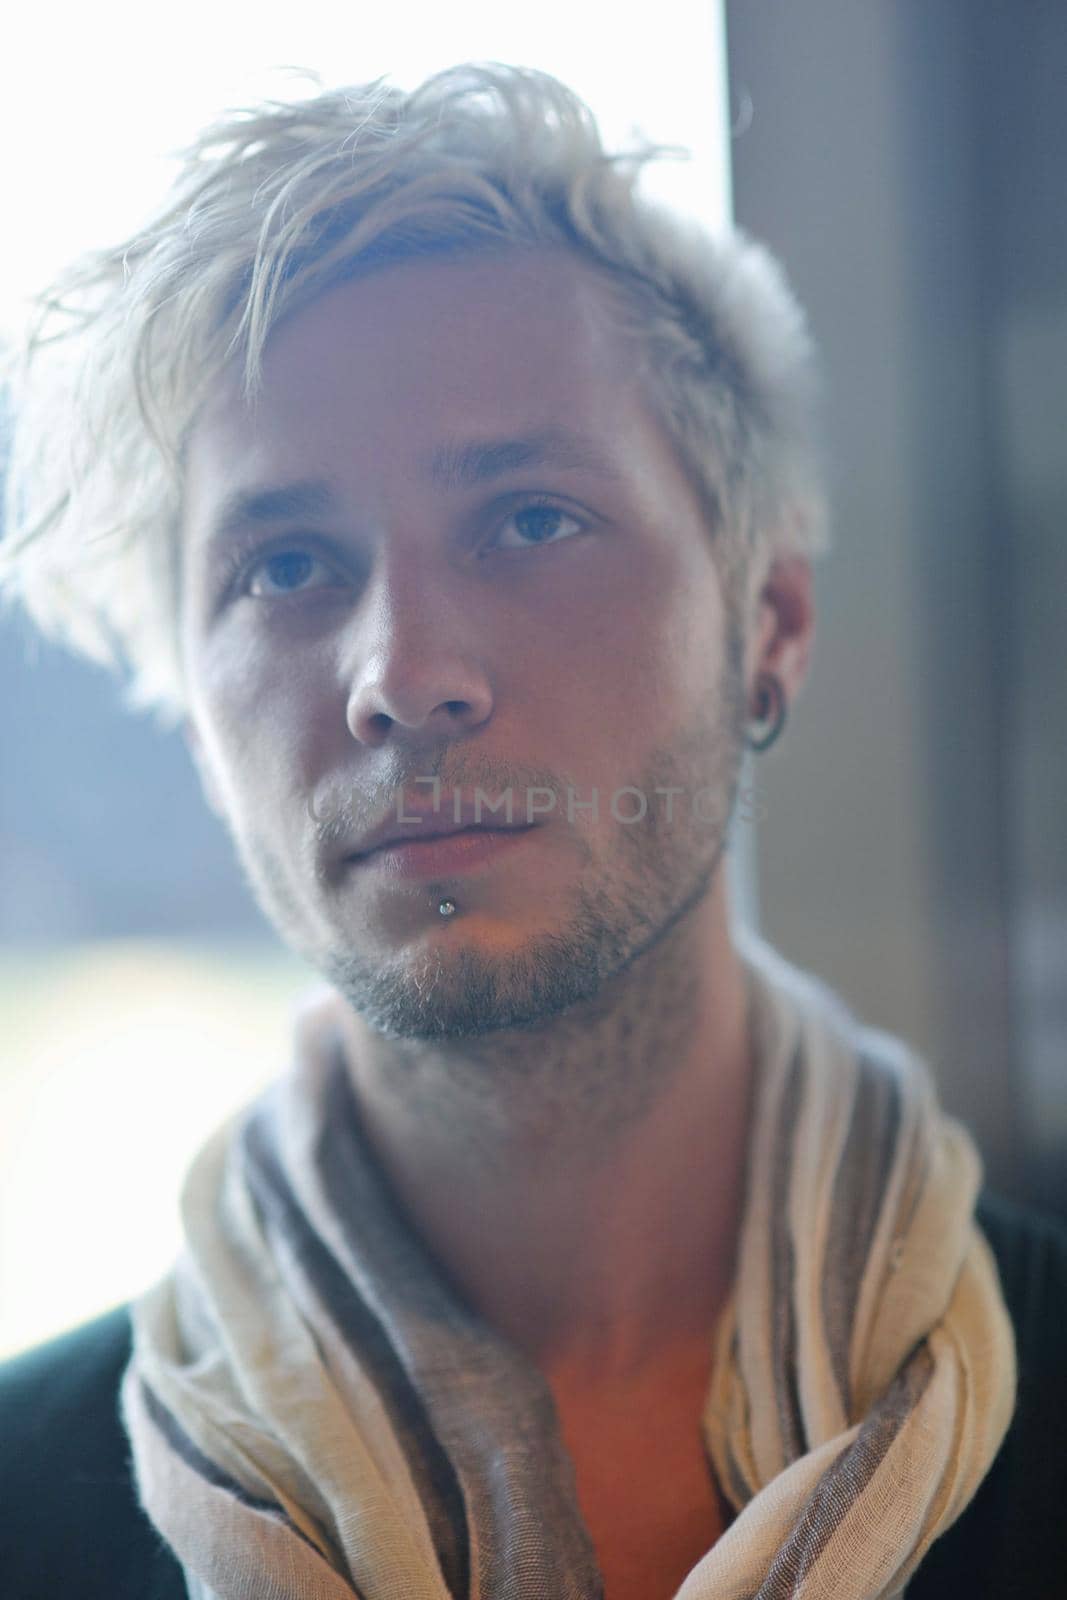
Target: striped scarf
314 1415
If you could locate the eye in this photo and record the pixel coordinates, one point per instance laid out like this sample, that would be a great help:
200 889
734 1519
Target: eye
284 572
539 522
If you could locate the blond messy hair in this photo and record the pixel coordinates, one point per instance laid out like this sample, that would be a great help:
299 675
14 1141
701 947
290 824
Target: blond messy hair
274 205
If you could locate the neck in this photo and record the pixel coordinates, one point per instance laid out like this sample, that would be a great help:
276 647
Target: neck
581 1182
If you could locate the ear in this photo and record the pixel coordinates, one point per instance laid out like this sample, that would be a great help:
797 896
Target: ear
783 626
202 762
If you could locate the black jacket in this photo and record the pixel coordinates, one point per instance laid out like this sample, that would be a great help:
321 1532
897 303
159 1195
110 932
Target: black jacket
71 1529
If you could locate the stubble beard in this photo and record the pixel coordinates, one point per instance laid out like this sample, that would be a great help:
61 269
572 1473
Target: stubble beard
622 910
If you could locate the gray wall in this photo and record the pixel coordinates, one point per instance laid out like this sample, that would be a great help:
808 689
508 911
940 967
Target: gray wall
905 160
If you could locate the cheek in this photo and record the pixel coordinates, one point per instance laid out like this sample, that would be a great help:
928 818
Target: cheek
637 651
260 715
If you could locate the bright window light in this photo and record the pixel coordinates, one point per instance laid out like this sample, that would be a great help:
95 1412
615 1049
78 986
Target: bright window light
96 122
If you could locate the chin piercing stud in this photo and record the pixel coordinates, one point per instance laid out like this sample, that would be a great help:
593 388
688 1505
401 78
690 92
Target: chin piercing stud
447 908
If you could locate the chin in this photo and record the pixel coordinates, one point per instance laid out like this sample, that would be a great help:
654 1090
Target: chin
465 992
468 975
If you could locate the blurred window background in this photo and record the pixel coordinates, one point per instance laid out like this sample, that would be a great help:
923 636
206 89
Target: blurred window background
904 161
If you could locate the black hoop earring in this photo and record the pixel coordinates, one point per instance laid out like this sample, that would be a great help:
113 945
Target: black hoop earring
770 712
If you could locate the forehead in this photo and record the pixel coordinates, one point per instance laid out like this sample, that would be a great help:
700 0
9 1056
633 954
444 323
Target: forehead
407 319
419 353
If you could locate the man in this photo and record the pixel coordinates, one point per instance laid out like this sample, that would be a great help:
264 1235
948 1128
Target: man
461 506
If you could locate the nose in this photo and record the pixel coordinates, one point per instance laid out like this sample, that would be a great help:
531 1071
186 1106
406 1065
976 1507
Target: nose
418 671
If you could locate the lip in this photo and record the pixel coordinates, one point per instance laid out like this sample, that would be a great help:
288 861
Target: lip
443 852
402 826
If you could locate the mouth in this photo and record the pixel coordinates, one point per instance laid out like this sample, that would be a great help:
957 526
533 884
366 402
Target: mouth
440 854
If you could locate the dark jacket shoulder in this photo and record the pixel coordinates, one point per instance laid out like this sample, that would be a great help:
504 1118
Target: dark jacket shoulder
70 1523
1012 1538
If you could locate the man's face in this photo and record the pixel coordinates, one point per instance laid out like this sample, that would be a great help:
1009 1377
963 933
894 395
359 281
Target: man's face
551 623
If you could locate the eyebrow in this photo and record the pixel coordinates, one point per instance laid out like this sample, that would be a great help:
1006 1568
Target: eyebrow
308 498
463 466
450 466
